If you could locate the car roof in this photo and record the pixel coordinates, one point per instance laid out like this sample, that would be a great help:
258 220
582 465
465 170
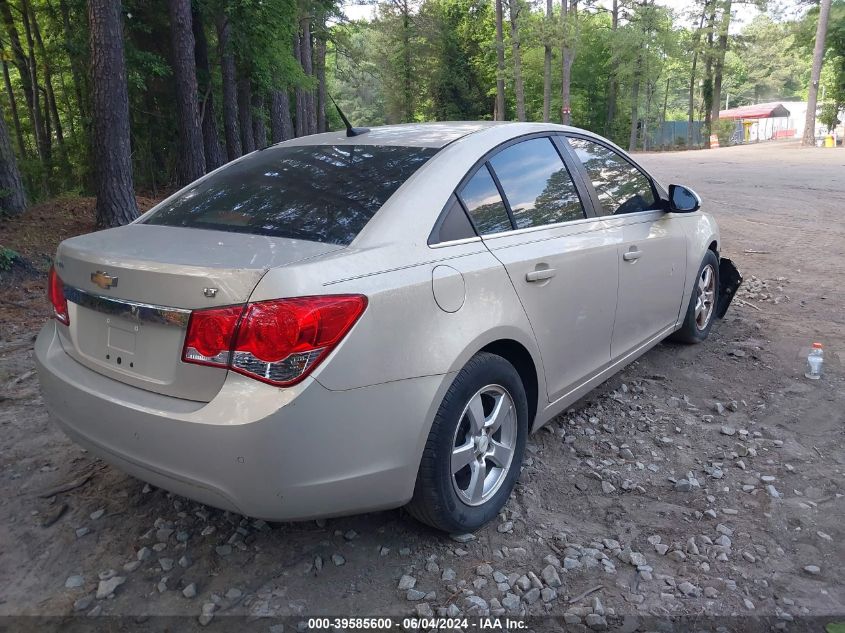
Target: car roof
435 135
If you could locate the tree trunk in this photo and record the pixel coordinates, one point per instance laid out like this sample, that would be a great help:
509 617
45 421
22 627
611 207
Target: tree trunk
13 106
719 60
116 203
230 91
320 68
191 156
663 115
500 63
21 62
309 103
245 115
635 104
707 84
649 94
612 84
695 46
281 128
208 119
518 85
547 65
50 95
407 83
39 122
299 94
12 195
567 53
259 127
809 138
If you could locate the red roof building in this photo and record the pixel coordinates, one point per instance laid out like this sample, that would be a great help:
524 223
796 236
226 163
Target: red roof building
758 111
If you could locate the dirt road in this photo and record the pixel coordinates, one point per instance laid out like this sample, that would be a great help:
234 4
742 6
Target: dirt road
701 481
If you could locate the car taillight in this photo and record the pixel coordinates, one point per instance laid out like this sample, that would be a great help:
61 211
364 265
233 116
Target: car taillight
279 342
209 337
56 293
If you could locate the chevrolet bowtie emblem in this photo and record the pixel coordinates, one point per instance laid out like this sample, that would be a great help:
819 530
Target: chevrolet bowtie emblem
103 280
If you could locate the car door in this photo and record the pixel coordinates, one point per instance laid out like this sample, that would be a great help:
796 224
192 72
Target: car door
560 258
652 252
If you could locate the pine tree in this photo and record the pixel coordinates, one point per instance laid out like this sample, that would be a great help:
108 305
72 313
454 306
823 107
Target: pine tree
116 203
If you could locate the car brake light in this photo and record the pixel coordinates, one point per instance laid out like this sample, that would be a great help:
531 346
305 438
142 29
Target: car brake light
209 337
56 293
278 342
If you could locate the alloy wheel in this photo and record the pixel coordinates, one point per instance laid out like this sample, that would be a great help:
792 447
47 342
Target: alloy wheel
484 444
706 298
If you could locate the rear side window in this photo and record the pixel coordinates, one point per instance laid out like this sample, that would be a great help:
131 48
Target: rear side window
452 225
320 193
536 184
484 204
620 187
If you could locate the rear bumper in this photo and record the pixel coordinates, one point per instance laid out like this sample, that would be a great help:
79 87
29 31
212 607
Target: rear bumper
276 454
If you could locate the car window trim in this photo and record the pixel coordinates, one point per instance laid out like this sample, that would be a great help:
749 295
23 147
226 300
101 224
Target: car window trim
460 242
502 194
543 227
621 153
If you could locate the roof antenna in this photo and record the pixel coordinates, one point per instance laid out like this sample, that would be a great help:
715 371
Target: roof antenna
350 131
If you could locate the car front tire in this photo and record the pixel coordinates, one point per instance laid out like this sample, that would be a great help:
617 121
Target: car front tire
701 311
473 454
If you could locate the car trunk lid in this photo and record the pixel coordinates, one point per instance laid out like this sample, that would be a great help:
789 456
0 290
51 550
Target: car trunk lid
130 292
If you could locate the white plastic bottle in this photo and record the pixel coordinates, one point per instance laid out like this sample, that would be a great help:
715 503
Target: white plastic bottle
815 360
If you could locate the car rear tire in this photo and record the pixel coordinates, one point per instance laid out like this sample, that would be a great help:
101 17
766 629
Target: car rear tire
701 311
473 454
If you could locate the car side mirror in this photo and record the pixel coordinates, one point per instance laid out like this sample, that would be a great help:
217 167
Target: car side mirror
683 199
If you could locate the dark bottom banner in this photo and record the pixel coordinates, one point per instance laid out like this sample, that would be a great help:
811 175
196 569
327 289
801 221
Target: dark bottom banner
622 624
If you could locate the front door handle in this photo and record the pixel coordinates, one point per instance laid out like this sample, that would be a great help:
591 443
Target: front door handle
540 275
632 256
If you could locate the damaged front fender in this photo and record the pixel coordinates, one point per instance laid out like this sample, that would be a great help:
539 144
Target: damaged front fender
729 281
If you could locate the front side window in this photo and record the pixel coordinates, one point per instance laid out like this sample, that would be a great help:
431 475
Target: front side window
620 187
484 204
536 183
320 193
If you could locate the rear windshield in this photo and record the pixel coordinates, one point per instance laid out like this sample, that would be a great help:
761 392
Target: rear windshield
320 193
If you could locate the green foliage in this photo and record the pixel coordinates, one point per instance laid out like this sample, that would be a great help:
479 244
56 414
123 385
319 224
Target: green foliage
7 258
263 32
829 114
356 84
724 129
417 60
769 65
456 58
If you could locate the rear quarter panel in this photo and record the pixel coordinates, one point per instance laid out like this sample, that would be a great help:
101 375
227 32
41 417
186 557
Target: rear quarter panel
404 333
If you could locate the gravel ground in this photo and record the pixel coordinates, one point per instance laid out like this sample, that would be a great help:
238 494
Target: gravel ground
701 481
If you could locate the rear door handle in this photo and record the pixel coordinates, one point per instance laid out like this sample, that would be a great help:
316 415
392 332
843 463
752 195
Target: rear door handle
632 256
540 275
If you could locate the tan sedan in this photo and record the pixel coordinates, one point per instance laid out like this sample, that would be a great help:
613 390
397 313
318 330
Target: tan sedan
339 324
